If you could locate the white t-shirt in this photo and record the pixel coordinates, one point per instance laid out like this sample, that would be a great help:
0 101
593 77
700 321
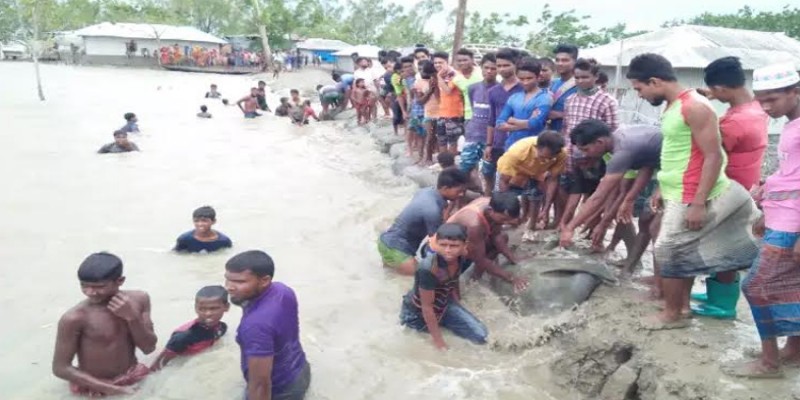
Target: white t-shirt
369 77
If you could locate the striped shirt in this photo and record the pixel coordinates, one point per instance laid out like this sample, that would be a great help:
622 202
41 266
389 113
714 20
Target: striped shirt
600 105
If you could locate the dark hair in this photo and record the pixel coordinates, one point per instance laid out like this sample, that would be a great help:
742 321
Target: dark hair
294 91
216 292
284 100
120 132
506 203
451 177
602 78
398 66
570 49
100 267
213 85
446 159
508 55
588 131
548 62
336 77
357 81
307 103
203 108
441 54
255 261
225 101
452 231
407 60
260 82
422 50
531 65
648 66
587 65
319 87
427 67
129 116
488 57
725 71
465 52
205 212
551 140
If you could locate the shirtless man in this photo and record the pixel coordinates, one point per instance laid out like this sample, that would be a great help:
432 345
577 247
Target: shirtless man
104 331
250 104
484 219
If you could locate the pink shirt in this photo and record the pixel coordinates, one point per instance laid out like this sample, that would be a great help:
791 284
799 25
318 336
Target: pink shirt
744 137
781 199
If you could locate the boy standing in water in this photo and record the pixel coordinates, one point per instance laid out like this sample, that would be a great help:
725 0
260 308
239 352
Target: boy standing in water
250 104
213 93
203 238
204 112
131 125
261 97
104 331
120 144
210 303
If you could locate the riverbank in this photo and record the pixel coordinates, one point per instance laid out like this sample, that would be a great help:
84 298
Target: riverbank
598 350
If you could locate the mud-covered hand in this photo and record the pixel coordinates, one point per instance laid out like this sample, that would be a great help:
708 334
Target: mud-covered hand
520 283
597 236
695 216
440 344
122 306
566 238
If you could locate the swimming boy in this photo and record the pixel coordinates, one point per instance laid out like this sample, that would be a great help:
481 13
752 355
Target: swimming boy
104 331
131 125
433 302
250 104
203 238
213 93
120 144
204 112
296 100
283 109
261 96
210 303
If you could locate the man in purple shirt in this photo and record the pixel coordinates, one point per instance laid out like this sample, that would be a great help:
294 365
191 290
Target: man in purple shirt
506 61
475 135
273 362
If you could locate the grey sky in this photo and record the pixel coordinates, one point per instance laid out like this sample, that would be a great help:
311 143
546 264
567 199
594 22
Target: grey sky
644 15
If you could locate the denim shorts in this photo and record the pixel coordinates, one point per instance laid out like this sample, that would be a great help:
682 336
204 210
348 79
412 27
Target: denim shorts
471 156
416 125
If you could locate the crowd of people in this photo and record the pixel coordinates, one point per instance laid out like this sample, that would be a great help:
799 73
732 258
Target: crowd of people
543 148
544 145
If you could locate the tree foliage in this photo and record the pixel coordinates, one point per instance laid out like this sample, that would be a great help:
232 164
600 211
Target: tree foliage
787 20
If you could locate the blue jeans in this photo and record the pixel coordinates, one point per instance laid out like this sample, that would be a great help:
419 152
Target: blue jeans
456 318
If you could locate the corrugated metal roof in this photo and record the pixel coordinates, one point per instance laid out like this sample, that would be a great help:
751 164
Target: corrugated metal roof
148 31
692 46
323 44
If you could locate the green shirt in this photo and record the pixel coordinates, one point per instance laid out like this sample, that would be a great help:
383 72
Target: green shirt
463 83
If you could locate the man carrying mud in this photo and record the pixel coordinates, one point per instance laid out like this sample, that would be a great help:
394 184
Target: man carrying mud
484 219
104 331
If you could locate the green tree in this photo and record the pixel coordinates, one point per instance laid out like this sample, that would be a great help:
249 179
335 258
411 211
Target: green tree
493 29
787 20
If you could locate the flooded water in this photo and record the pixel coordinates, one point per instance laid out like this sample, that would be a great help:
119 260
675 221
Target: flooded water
314 198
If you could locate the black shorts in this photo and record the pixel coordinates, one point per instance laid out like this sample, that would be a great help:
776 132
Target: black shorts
397 114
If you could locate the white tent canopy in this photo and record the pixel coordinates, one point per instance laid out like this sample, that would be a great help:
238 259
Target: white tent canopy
148 31
363 50
692 46
322 44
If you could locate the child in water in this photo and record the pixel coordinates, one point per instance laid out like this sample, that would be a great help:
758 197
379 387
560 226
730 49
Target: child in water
308 112
210 304
131 125
104 331
213 93
283 109
204 112
120 144
203 238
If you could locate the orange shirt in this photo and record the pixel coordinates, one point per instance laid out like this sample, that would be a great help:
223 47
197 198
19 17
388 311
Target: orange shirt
451 105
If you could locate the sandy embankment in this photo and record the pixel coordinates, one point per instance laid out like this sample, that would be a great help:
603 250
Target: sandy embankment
598 350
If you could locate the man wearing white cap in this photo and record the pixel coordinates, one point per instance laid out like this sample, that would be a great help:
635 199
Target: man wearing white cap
704 228
773 285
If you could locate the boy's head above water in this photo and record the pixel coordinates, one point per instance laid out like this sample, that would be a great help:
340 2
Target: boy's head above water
211 303
130 117
204 217
213 86
100 276
121 137
203 108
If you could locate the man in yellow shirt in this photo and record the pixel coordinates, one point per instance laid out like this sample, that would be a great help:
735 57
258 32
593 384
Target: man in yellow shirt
531 168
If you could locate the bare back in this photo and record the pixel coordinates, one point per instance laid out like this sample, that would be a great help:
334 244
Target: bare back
101 340
471 216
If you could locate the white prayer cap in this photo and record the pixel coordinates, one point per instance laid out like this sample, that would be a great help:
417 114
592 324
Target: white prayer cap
776 76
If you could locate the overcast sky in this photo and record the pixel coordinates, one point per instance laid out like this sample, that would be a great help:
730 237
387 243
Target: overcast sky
638 15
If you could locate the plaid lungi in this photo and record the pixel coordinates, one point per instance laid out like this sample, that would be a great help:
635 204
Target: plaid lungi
773 286
725 243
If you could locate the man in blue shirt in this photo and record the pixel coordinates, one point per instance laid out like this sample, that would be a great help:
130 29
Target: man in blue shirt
525 113
203 238
564 86
130 123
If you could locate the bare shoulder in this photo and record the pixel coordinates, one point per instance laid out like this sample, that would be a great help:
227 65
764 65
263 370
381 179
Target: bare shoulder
139 296
75 316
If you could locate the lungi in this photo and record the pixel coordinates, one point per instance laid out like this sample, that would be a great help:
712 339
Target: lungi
725 243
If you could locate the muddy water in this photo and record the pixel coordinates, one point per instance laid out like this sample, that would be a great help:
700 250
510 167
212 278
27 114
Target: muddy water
314 198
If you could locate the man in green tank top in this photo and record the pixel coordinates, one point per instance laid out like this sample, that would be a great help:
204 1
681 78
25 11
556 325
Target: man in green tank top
706 220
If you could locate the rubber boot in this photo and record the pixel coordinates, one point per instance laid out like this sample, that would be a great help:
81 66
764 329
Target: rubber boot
722 299
703 297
